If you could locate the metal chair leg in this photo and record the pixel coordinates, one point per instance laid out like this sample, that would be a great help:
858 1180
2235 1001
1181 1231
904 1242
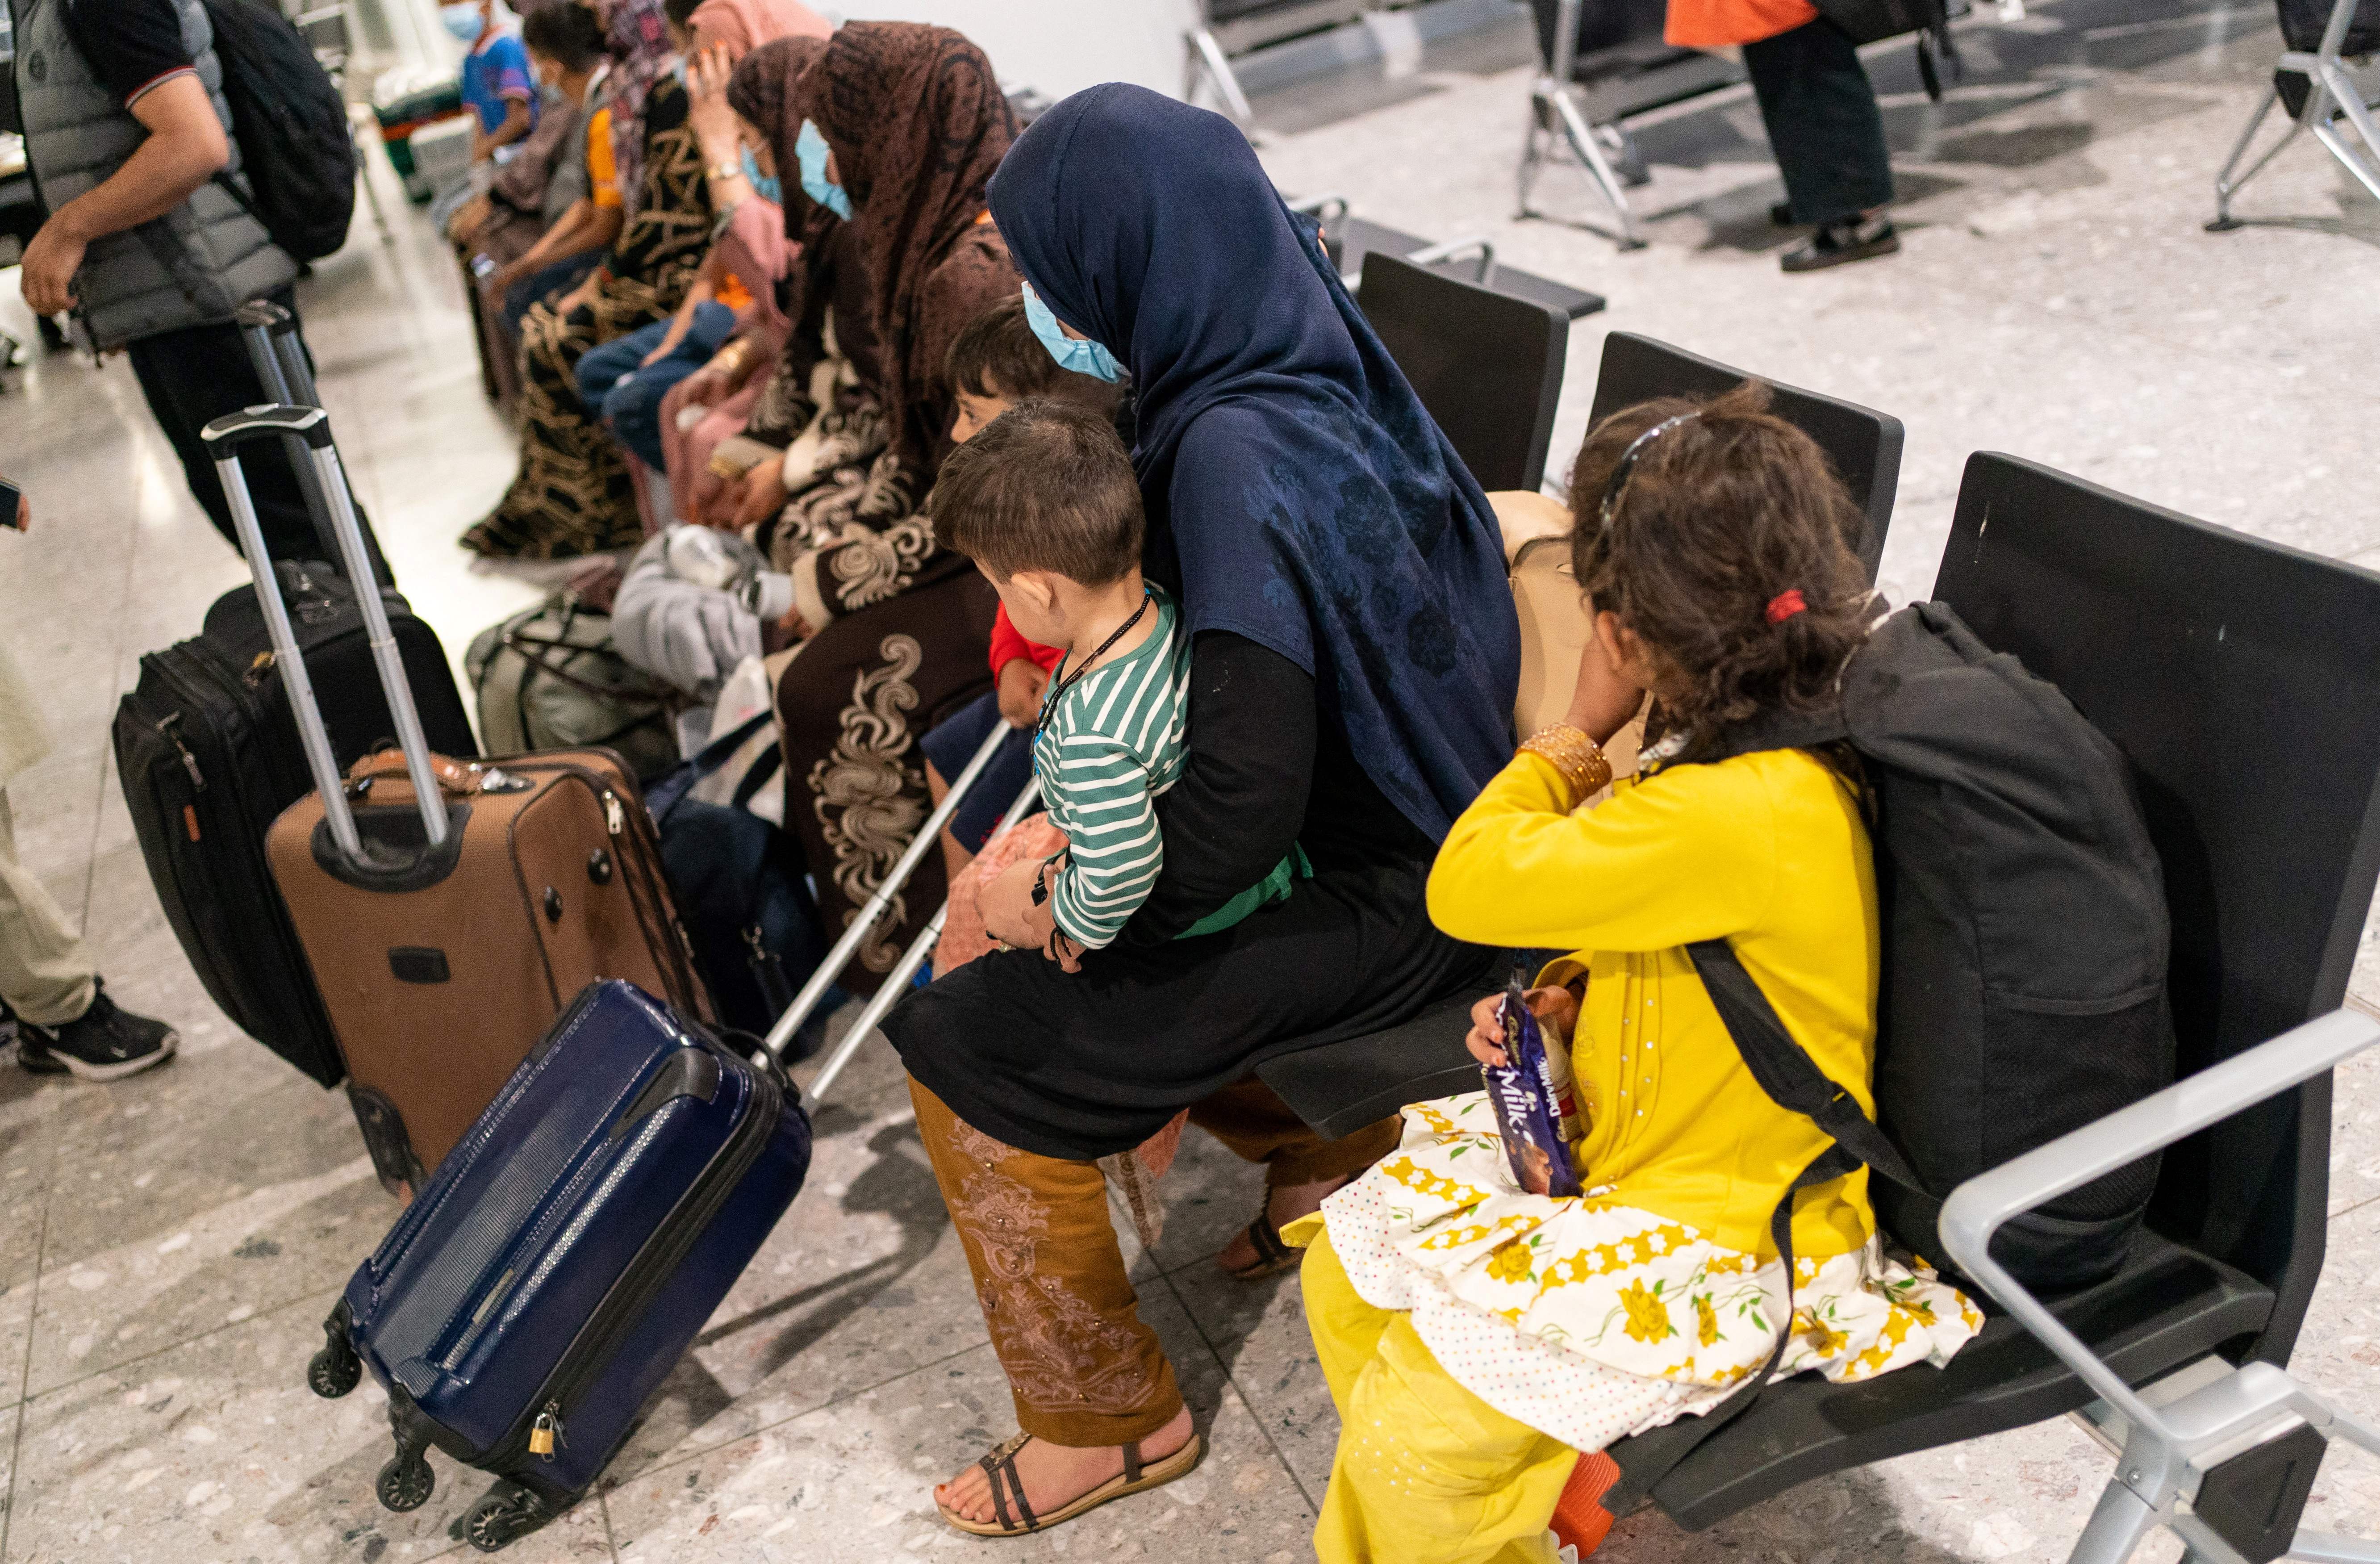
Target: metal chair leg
1207 52
1589 151
363 177
2116 1526
2352 108
2225 187
1532 152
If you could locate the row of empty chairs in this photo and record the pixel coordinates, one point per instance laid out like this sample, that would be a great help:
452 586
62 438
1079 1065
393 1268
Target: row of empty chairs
2241 679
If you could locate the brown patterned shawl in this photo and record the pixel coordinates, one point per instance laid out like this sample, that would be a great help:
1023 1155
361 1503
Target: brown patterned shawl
917 124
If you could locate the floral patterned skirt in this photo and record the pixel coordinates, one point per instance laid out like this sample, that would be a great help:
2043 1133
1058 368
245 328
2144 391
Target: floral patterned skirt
1590 1321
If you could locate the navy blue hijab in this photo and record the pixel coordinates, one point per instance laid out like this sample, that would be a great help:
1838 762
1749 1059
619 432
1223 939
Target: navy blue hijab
1314 507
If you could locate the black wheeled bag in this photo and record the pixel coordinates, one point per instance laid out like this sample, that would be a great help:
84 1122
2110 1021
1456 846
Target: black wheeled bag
2026 939
209 756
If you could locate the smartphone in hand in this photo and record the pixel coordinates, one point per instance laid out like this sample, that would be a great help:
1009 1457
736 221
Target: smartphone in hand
11 499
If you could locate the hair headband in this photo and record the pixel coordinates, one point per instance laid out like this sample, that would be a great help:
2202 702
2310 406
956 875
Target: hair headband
1627 464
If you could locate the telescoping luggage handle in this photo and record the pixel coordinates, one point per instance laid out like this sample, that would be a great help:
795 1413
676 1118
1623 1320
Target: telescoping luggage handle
312 428
896 982
865 918
269 333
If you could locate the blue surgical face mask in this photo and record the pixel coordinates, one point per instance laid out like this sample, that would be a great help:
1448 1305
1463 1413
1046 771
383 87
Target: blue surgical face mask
463 21
1081 357
765 186
810 148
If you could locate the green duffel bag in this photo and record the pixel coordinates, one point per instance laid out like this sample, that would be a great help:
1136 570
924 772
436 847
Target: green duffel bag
549 678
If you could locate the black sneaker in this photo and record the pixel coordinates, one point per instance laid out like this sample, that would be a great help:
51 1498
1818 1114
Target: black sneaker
103 1044
1838 243
1780 214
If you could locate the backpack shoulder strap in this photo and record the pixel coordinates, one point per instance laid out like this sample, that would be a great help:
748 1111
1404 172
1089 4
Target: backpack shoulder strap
1785 1070
1647 1459
1793 1081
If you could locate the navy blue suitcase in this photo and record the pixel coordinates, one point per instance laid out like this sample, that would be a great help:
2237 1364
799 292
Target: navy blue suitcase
551 1272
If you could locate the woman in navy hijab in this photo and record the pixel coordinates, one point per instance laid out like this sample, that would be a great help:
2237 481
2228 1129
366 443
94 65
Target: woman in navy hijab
1354 657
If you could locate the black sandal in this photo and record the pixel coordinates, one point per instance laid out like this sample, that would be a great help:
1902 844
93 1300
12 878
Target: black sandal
999 1463
1273 1256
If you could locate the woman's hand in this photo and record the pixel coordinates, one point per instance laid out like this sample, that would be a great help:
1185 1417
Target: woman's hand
1607 694
763 495
670 339
1056 944
718 380
1556 1009
708 114
1021 685
580 297
464 226
1008 907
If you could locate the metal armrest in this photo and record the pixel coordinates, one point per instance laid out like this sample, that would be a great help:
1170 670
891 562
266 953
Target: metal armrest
1477 244
1977 1208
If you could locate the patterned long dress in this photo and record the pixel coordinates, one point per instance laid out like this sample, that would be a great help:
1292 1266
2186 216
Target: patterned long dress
902 626
572 495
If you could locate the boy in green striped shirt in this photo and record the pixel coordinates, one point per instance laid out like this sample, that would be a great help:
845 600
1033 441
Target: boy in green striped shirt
1044 501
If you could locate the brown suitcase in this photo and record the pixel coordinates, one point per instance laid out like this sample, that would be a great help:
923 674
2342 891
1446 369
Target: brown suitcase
442 969
448 912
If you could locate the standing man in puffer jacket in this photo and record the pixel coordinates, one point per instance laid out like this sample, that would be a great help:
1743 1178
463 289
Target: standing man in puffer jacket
127 131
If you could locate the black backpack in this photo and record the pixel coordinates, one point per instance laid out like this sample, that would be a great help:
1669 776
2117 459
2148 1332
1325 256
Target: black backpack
2025 936
297 151
1871 21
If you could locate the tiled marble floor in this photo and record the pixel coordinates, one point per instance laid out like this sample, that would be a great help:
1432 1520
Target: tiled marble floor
176 1237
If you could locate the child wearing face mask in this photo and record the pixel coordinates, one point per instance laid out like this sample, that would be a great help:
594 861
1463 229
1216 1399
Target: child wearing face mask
497 86
1045 502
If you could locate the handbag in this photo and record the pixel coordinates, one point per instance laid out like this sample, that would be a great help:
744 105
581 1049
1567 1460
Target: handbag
1871 21
742 890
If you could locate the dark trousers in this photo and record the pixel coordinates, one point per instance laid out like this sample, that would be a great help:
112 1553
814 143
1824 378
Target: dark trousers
558 276
1823 122
198 374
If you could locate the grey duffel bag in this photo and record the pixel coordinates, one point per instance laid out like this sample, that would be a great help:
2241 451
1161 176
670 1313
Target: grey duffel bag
550 678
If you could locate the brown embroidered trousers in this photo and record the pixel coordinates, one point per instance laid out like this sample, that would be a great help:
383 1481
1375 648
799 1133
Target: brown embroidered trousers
1083 1366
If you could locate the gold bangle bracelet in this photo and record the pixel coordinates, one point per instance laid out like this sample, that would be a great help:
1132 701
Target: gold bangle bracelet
1578 758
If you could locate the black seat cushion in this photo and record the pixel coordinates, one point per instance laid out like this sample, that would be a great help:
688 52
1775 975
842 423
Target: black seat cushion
1340 1087
2168 1306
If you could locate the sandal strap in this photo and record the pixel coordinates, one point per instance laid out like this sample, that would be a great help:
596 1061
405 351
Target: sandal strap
1132 1467
1000 1461
1270 1250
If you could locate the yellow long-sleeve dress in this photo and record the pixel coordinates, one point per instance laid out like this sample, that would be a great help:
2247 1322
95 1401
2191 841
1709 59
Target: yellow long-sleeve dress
1646 1298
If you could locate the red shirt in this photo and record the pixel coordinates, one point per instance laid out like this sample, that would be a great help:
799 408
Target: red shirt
1007 645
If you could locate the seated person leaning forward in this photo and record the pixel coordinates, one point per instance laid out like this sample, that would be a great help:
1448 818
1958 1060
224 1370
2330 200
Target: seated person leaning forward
1476 1335
1353 659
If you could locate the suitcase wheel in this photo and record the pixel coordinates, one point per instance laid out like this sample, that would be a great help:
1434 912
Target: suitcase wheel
405 1482
504 1514
334 1371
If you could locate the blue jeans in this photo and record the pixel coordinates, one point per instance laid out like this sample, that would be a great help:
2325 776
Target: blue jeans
615 381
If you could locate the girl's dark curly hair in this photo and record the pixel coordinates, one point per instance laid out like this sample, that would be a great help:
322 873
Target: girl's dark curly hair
1717 519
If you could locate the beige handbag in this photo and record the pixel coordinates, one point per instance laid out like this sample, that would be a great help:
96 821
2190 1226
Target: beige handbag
1554 618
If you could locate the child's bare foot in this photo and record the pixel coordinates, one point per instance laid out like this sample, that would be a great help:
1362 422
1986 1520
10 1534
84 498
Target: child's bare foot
1283 1206
1056 1475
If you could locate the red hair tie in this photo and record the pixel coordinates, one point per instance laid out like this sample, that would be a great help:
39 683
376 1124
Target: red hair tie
1785 605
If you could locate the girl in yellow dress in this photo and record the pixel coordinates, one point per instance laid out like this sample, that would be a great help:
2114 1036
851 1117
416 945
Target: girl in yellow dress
1477 1338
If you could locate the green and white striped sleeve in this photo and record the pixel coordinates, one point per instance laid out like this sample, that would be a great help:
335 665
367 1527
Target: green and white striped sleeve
1113 846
